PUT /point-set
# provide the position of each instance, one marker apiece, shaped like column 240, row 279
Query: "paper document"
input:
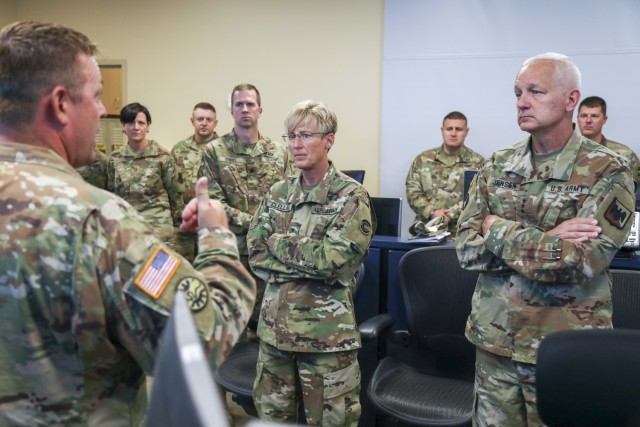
column 434, row 240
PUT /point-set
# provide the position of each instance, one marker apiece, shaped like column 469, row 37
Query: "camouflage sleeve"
column 219, row 291
column 173, row 188
column 419, row 197
column 538, row 256
column 470, row 245
column 110, row 176
column 334, row 257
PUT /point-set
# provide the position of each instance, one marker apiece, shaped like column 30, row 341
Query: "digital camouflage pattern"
column 628, row 155
column 145, row 179
column 502, row 387
column 436, row 181
column 307, row 246
column 330, row 385
column 532, row 284
column 79, row 331
column 187, row 155
column 96, row 173
column 240, row 177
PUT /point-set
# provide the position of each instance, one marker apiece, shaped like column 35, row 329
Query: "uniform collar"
column 318, row 195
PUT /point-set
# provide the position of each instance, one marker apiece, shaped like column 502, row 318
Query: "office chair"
column 428, row 380
column 237, row 373
column 626, row 298
column 357, row 174
column 589, row 378
column 183, row 391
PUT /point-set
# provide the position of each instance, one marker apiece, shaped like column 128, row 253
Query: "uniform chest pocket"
column 562, row 205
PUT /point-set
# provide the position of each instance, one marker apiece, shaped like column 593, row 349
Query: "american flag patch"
column 156, row 274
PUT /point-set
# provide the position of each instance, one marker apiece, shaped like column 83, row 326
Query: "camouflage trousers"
column 505, row 392
column 328, row 384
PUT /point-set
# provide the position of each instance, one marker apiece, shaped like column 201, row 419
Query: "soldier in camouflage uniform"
column 86, row 286
column 187, row 155
column 306, row 242
column 241, row 167
column 435, row 181
column 543, row 220
column 142, row 172
column 592, row 115
column 96, row 173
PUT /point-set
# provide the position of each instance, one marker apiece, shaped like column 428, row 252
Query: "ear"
column 328, row 141
column 60, row 105
column 572, row 99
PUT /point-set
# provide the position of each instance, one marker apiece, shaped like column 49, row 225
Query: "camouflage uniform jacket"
column 240, row 177
column 96, row 173
column 187, row 155
column 436, row 181
column 146, row 180
column 307, row 246
column 627, row 153
column 532, row 284
column 80, row 320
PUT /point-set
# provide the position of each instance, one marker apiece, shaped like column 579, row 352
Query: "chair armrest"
column 372, row 329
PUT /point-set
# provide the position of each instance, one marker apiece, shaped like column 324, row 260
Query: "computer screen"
column 468, row 177
column 358, row 175
column 388, row 214
column 183, row 392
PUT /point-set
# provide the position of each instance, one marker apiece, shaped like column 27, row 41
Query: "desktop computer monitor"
column 183, row 392
column 468, row 177
column 388, row 212
column 358, row 175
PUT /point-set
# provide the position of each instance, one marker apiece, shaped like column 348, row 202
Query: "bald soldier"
column 435, row 181
column 544, row 218
column 306, row 241
column 87, row 287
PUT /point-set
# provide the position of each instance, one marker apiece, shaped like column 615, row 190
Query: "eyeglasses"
column 304, row 136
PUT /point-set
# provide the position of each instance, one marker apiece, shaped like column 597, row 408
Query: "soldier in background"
column 543, row 220
column 86, row 286
column 96, row 173
column 306, row 242
column 241, row 166
column 187, row 155
column 143, row 173
column 592, row 116
column 435, row 181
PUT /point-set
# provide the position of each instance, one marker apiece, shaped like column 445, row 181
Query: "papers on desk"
column 430, row 240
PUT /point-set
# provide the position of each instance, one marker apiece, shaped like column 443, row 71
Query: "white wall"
column 444, row 55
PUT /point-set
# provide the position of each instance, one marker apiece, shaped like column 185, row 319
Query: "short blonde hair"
column 313, row 113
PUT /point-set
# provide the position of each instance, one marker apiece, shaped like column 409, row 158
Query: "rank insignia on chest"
column 617, row 214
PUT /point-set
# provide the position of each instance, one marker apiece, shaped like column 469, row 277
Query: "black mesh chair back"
column 626, row 298
column 430, row 381
column 589, row 378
